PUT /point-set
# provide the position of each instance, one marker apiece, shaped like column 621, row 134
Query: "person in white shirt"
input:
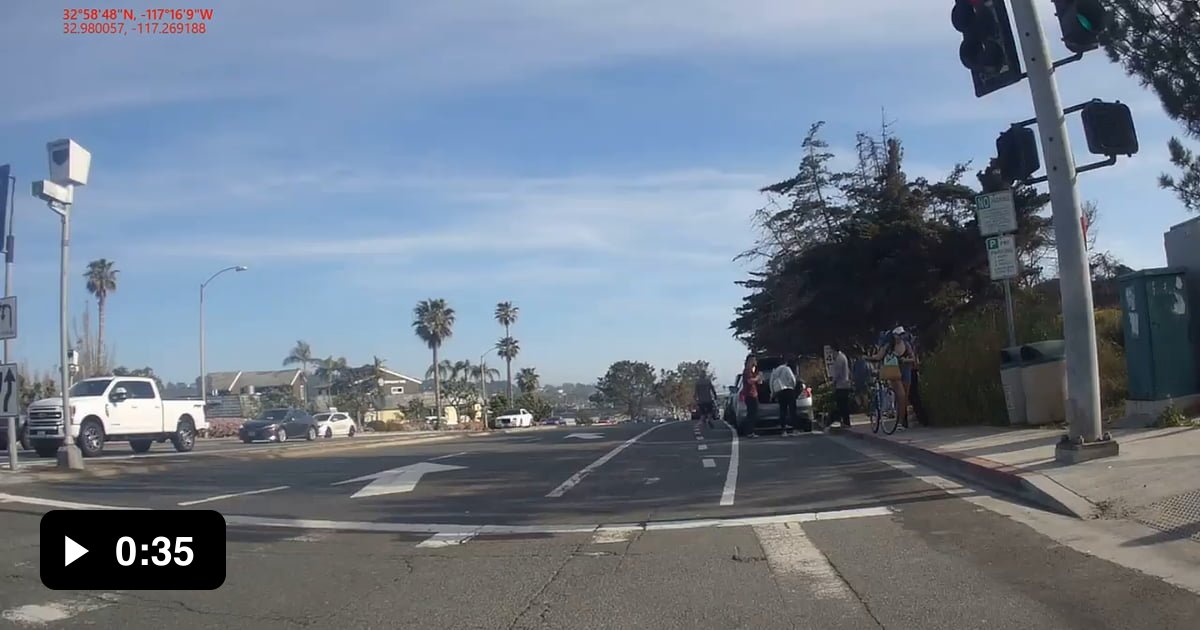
column 783, row 390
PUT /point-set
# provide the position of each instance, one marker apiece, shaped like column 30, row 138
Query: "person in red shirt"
column 749, row 394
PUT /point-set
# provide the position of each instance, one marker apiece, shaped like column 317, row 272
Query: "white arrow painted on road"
column 585, row 436
column 72, row 551
column 402, row 479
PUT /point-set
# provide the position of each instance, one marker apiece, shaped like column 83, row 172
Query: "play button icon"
column 72, row 551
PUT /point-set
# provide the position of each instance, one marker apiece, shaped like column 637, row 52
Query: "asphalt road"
column 122, row 451
column 630, row 526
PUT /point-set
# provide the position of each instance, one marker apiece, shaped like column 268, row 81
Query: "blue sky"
column 594, row 161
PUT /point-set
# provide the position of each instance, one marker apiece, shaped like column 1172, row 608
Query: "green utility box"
column 1160, row 352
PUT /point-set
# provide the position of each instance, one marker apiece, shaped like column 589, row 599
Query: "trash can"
column 1044, row 381
column 1010, row 379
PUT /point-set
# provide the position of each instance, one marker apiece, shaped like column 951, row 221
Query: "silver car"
column 768, row 409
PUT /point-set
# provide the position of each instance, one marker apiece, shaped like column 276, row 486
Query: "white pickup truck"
column 112, row 408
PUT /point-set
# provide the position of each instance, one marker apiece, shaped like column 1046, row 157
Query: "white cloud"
column 309, row 53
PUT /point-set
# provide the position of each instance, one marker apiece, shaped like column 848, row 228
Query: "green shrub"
column 960, row 379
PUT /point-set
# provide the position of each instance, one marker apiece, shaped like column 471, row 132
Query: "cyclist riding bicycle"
column 706, row 399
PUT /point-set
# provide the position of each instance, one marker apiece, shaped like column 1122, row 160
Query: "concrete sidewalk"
column 1155, row 480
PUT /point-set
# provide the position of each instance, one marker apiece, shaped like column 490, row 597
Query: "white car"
column 514, row 418
column 335, row 424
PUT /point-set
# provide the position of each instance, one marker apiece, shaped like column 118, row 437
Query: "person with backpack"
column 894, row 354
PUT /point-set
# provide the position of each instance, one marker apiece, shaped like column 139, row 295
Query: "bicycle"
column 883, row 406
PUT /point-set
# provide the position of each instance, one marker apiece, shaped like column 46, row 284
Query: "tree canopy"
column 846, row 253
column 1158, row 42
column 627, row 385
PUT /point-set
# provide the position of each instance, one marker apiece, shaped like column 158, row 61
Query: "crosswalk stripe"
column 790, row 552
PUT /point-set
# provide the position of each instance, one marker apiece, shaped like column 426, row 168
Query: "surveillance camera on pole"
column 70, row 165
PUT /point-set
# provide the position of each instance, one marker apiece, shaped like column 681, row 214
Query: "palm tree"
column 301, row 354
column 433, row 321
column 506, row 314
column 443, row 368
column 528, row 380
column 490, row 374
column 508, row 349
column 330, row 370
column 101, row 280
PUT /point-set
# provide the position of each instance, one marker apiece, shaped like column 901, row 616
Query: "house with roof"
column 394, row 388
column 259, row 382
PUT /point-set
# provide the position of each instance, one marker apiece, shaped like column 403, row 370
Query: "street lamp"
column 69, row 166
column 483, row 386
column 203, row 384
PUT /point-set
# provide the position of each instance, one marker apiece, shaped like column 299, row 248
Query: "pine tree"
column 1158, row 41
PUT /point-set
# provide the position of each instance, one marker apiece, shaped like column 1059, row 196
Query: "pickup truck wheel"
column 140, row 446
column 46, row 449
column 91, row 438
column 184, row 439
column 312, row 434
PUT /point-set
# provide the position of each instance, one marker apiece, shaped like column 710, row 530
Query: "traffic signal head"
column 988, row 49
column 1109, row 129
column 1017, row 154
column 1082, row 22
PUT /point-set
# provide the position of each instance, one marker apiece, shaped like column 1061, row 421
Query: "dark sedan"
column 279, row 425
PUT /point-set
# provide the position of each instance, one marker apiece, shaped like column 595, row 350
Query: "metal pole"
column 1079, row 326
column 8, row 269
column 482, row 393
column 69, row 457
column 203, row 382
column 1008, row 312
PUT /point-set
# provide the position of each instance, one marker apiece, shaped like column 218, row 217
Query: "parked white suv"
column 116, row 408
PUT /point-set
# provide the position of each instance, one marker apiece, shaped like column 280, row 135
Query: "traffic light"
column 1082, row 22
column 1017, row 154
column 1109, row 129
column 988, row 49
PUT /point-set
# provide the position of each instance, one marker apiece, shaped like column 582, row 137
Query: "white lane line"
column 445, row 540
column 42, row 614
column 66, row 505
column 310, row 537
column 434, row 459
column 790, row 552
column 708, row 463
column 480, row 530
column 614, row 535
column 574, row 480
column 727, row 494
column 700, row 437
column 701, row 447
column 230, row 496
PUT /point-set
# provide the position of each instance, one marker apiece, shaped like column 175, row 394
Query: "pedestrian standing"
column 783, row 390
column 843, row 386
column 749, row 395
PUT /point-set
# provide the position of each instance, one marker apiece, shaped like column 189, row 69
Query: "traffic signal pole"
column 1085, row 438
